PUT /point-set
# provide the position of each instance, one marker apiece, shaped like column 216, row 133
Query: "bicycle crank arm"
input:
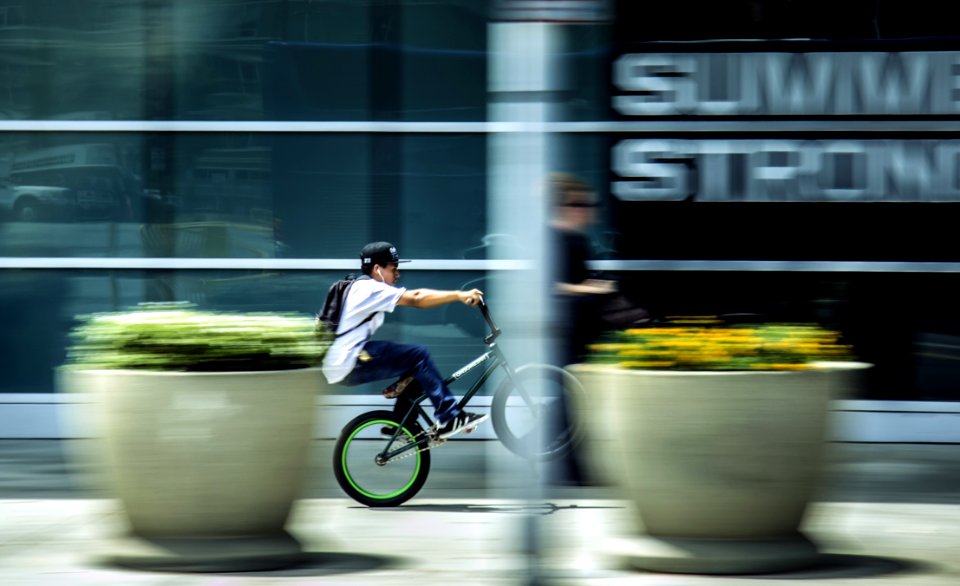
column 409, row 450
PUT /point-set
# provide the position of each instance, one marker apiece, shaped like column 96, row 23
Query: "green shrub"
column 179, row 337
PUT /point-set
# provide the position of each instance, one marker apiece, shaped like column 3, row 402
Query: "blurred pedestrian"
column 585, row 304
column 578, row 295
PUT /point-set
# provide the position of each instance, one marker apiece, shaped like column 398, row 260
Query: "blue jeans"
column 390, row 360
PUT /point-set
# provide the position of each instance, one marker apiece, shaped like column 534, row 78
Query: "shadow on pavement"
column 330, row 564
column 531, row 508
column 841, row 566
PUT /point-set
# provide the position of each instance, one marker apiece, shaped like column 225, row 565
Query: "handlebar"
column 494, row 330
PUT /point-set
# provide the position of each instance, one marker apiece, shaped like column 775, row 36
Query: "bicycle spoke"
column 531, row 412
column 373, row 479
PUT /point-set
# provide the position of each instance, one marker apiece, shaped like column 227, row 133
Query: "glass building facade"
column 79, row 192
column 238, row 153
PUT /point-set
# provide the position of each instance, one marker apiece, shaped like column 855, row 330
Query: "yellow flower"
column 645, row 364
column 704, row 343
column 779, row 366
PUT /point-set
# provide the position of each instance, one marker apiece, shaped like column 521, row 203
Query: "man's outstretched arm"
column 587, row 287
column 426, row 298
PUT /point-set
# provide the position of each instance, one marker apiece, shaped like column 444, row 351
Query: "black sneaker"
column 463, row 422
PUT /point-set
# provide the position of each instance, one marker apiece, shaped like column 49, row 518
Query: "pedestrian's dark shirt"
column 571, row 251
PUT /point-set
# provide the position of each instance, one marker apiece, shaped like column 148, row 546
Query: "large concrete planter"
column 719, row 466
column 206, row 466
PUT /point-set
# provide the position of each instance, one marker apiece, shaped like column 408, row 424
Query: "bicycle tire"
column 520, row 425
column 361, row 478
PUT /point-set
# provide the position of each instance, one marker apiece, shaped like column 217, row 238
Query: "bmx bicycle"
column 382, row 459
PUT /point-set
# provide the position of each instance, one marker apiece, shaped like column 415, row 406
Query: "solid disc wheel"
column 367, row 473
column 532, row 413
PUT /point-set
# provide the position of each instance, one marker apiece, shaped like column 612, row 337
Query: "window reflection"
column 73, row 182
column 239, row 195
column 231, row 181
column 243, row 60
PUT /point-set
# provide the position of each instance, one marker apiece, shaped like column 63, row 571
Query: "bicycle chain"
column 434, row 443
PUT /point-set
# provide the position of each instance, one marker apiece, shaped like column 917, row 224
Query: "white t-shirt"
column 364, row 297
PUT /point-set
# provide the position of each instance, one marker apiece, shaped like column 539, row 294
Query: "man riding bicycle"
column 354, row 358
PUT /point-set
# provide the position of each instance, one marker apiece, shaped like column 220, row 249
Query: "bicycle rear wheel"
column 385, row 483
column 532, row 413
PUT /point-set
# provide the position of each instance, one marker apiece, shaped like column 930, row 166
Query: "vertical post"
column 525, row 81
column 521, row 81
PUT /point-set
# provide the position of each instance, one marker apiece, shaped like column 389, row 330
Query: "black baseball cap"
column 379, row 253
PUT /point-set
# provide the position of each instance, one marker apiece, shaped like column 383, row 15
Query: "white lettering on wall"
column 787, row 170
column 821, row 83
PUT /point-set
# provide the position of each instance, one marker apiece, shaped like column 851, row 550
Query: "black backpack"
column 329, row 316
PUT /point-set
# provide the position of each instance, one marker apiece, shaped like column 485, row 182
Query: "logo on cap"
column 381, row 253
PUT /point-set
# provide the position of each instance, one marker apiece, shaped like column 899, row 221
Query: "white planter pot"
column 720, row 466
column 206, row 466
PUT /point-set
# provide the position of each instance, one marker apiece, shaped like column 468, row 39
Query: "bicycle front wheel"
column 532, row 412
column 373, row 468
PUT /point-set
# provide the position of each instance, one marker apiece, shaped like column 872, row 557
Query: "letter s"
column 659, row 163
column 663, row 82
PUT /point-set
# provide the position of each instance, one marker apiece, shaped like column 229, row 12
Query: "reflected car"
column 31, row 203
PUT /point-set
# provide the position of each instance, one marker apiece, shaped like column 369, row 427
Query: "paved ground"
column 908, row 473
column 888, row 514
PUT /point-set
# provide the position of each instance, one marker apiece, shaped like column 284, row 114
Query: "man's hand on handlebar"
column 471, row 297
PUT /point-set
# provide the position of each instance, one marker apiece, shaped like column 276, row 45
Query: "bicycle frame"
column 494, row 355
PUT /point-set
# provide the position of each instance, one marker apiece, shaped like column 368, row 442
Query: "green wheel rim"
column 346, row 469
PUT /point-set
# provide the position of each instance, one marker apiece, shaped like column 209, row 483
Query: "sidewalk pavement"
column 54, row 542
column 871, row 535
